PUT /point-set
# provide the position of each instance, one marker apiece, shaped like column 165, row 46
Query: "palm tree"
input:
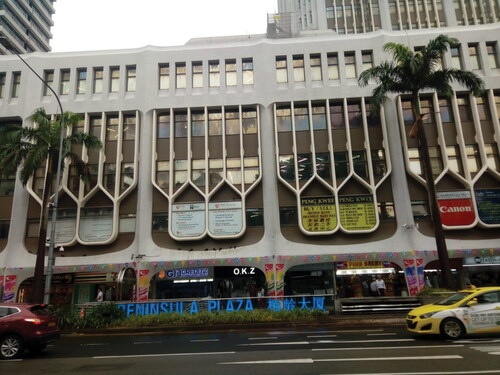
column 26, row 150
column 411, row 72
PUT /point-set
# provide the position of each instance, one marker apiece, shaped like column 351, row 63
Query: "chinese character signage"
column 357, row 212
column 362, row 264
column 488, row 205
column 456, row 208
column 318, row 214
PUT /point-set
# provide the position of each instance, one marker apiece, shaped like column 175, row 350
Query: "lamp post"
column 50, row 262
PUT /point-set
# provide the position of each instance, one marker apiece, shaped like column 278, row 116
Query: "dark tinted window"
column 40, row 310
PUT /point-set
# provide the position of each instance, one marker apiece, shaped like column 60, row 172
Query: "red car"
column 25, row 326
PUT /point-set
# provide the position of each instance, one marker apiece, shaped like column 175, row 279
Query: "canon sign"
column 456, row 208
column 444, row 209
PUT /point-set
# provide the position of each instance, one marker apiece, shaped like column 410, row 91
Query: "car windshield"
column 451, row 300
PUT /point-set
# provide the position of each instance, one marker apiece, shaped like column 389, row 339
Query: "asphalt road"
column 305, row 351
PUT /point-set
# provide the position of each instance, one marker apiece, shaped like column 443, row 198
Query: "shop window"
column 48, row 77
column 315, row 61
column 180, row 75
column 333, row 66
column 298, row 68
column 288, row 216
column 287, row 167
column 180, row 172
column 214, row 73
column 283, row 119
column 162, row 174
column 164, row 76
column 112, row 123
column 197, row 124
column 386, row 211
column 281, row 69
column 127, row 223
column 4, row 228
column 446, row 110
column 492, row 158
column 198, row 172
column 255, row 217
column 249, row 120
column 301, row 116
column 337, row 115
column 319, row 117
column 180, row 124
column 160, row 222
column 231, row 76
column 163, row 125
column 232, row 123
column 197, row 74
column 247, row 71
column 129, row 123
column 215, row 122
column 420, row 210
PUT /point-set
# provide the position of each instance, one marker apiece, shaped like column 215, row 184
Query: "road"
column 305, row 351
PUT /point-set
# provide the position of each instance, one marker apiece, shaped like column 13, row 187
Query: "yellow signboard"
column 318, row 214
column 357, row 212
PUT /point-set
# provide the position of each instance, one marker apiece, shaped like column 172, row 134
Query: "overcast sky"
column 81, row 25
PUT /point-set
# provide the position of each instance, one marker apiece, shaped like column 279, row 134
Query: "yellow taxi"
column 474, row 310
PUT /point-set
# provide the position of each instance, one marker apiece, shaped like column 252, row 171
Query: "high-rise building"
column 231, row 164
column 26, row 24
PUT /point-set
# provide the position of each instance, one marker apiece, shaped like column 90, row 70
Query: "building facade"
column 237, row 166
column 26, row 25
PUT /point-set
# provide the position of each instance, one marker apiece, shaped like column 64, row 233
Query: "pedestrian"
column 380, row 285
column 100, row 295
column 373, row 287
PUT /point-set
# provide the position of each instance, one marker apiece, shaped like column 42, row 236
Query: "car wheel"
column 11, row 347
column 452, row 328
column 37, row 348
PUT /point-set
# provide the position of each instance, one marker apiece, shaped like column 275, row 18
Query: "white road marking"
column 206, row 340
column 475, row 372
column 360, row 341
column 275, row 361
column 263, row 338
column 389, row 348
column 146, row 342
column 96, row 344
column 492, row 350
column 160, row 355
column 277, row 343
column 381, row 334
column 477, row 341
column 321, row 336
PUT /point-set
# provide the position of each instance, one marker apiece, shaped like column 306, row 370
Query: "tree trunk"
column 38, row 282
column 444, row 261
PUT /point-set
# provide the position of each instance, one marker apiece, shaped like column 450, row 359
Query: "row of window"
column 351, row 17
column 476, row 62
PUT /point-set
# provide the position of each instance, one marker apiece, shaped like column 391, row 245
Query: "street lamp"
column 50, row 262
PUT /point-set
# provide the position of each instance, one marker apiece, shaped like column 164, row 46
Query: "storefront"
column 482, row 270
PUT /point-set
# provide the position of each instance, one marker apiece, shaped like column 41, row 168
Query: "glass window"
column 162, row 174
column 416, row 164
column 129, row 124
column 215, row 122
column 197, row 72
column 281, row 69
column 483, row 108
column 2, row 84
column 283, row 119
column 474, row 56
column 491, row 48
column 456, row 57
column 473, row 159
column 298, row 68
column 197, row 124
column 214, row 73
column 180, row 75
column 127, row 176
column 255, row 217
column 81, row 84
column 454, row 162
column 231, row 77
column 354, row 114
column 341, row 164
column 464, row 109
column 315, row 61
column 333, row 66
column 131, row 78
column 249, row 121
column 247, row 71
column 386, row 211
column 180, row 124
column 408, row 114
column 288, row 216
column 350, row 65
column 98, row 79
column 16, row 84
column 492, row 158
column 378, row 163
column 319, row 117
column 48, row 76
column 163, row 125
column 372, row 117
column 232, row 121
column 160, row 222
column 127, row 223
column 251, row 169
column 301, row 115
column 92, row 218
column 112, row 123
column 64, row 84
column 109, row 177
column 446, row 110
column 114, row 79
column 367, row 59
column 359, row 163
column 323, row 165
column 304, row 166
column 233, row 170
column 164, row 76
column 198, row 172
column 337, row 115
column 95, row 126
column 180, row 172
column 216, row 171
column 4, row 228
column 427, row 110
column 287, row 167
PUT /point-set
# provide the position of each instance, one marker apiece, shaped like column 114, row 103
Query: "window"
column 233, row 170
column 198, row 175
column 473, row 159
column 464, row 109
column 48, row 77
column 180, row 124
column 250, row 169
column 127, row 223
column 289, row 216
column 304, row 166
column 162, row 174
column 420, row 210
column 180, row 75
column 315, row 61
column 101, row 217
column 333, row 66
column 131, row 78
column 337, row 115
column 231, row 77
column 94, row 169
column 98, row 78
column 341, row 164
column 109, row 177
column 427, row 110
column 287, row 167
column 372, row 117
column 7, row 185
column 81, row 83
column 319, row 117
column 255, row 217
column 454, row 161
column 4, row 228
column 354, row 114
column 127, row 176
column 323, row 165
column 216, row 171
column 281, row 69
column 164, row 76
column 359, row 163
column 416, row 164
column 112, row 123
column 249, row 121
column 298, row 68
column 367, row 59
column 214, row 122
column 301, row 115
column 408, row 114
column 483, row 108
column 491, row 48
column 160, row 222
column 64, row 84
column 350, row 65
column 16, row 84
column 386, row 211
column 247, row 71
column 232, row 121
column 474, row 56
column 378, row 163
column 197, row 72
column 114, row 79
column 214, row 73
column 180, row 171
column 95, row 126
column 2, row 84
column 163, row 125
column 492, row 158
column 197, row 124
column 456, row 57
column 446, row 110
column 129, row 124
column 283, row 119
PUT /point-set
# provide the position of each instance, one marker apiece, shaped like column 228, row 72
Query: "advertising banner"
column 318, row 214
column 411, row 276
column 9, row 290
column 456, row 208
column 421, row 274
column 188, row 219
column 143, row 285
column 225, row 218
column 362, row 264
column 357, row 212
column 95, row 228
column 488, row 205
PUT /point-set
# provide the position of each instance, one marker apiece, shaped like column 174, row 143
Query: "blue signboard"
column 488, row 205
